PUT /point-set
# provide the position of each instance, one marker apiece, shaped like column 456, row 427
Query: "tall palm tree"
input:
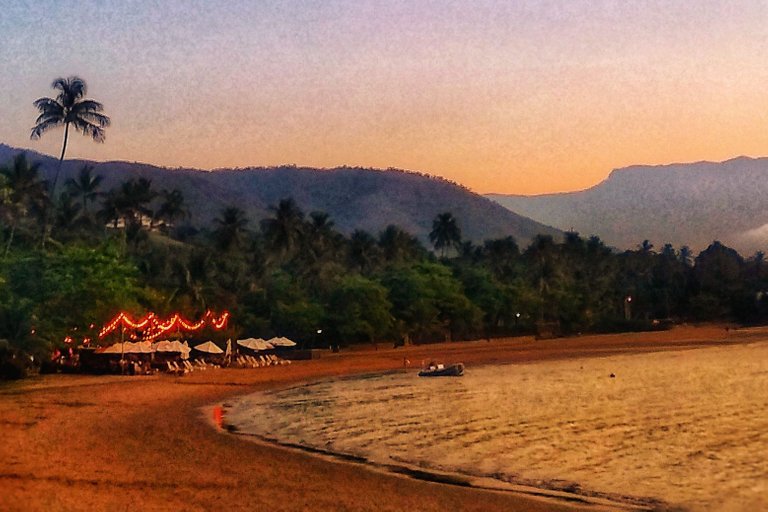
column 85, row 186
column 69, row 108
column 445, row 232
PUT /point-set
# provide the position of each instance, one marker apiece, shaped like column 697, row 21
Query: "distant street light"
column 627, row 307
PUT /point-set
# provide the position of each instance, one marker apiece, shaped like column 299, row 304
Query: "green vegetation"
column 293, row 274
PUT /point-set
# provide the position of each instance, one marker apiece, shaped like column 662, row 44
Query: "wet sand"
column 121, row 443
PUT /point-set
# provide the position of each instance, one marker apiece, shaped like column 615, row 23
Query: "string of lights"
column 154, row 327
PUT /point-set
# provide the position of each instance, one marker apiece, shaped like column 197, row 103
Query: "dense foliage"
column 132, row 248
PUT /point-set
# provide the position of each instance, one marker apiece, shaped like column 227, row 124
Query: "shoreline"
column 103, row 443
column 488, row 483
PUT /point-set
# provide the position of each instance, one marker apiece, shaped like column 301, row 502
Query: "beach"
column 73, row 442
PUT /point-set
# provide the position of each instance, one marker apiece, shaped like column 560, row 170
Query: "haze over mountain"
column 355, row 198
column 682, row 204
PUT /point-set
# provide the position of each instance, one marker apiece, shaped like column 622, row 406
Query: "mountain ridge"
column 683, row 204
column 354, row 197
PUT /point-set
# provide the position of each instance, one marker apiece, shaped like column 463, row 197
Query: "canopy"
column 172, row 346
column 255, row 344
column 282, row 342
column 209, row 347
column 112, row 349
column 128, row 347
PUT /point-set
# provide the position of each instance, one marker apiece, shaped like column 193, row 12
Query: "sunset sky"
column 501, row 96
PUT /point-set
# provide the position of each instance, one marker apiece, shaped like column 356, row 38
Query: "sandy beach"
column 122, row 443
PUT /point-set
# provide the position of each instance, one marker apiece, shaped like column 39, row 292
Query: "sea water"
column 688, row 428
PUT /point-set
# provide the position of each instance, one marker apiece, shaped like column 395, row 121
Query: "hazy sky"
column 501, row 96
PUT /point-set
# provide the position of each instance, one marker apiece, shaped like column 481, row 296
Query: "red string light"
column 154, row 327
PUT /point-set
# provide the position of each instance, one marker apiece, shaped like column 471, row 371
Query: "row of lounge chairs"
column 242, row 361
column 245, row 361
column 187, row 366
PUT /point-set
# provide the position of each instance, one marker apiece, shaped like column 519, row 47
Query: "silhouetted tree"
column 445, row 233
column 230, row 230
column 26, row 195
column 69, row 108
column 85, row 186
column 283, row 232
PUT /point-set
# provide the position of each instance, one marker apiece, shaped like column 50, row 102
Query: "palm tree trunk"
column 61, row 161
column 10, row 239
column 46, row 224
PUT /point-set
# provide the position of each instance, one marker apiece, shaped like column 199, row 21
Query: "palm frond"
column 42, row 127
column 88, row 106
column 48, row 105
column 88, row 128
column 94, row 117
column 72, row 89
column 47, row 117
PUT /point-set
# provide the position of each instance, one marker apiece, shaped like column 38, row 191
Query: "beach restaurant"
column 140, row 344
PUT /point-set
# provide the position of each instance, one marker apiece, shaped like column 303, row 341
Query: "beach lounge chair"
column 174, row 368
column 179, row 370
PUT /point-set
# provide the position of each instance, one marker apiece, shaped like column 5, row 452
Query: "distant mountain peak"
column 680, row 203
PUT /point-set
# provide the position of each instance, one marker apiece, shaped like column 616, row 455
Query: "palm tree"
column 284, row 231
column 544, row 266
column 321, row 241
column 445, row 232
column 25, row 192
column 109, row 212
column 69, row 108
column 501, row 256
column 68, row 213
column 231, row 228
column 363, row 252
column 134, row 198
column 85, row 186
column 173, row 206
column 399, row 245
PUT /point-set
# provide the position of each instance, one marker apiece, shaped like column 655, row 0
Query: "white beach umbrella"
column 142, row 347
column 254, row 344
column 209, row 347
column 112, row 349
column 245, row 342
column 282, row 342
column 163, row 346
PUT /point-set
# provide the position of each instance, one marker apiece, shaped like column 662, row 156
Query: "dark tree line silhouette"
column 293, row 274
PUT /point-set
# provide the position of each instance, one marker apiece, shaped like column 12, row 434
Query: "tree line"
column 132, row 248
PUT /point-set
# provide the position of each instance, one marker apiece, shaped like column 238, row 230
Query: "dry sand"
column 124, row 443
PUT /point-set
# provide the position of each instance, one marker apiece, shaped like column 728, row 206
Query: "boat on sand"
column 441, row 370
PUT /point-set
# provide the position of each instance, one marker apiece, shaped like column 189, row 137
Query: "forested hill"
column 682, row 204
column 355, row 198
